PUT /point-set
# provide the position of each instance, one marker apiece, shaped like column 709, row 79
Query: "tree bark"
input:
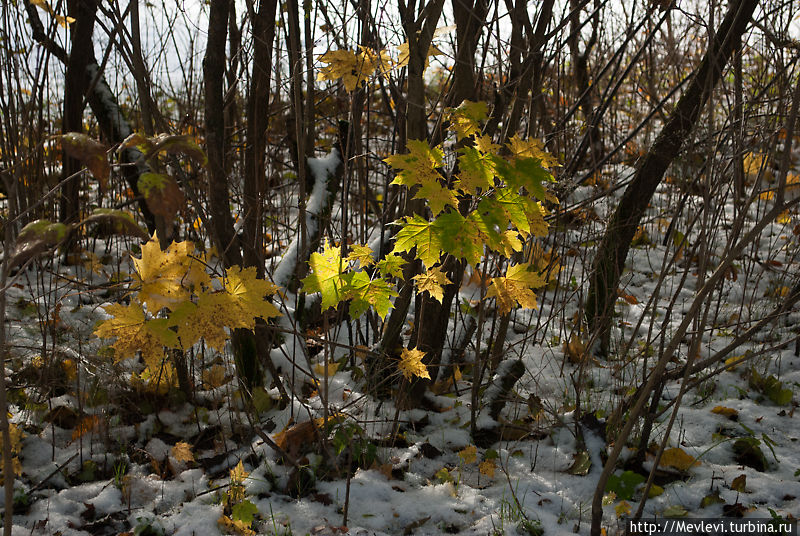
column 419, row 33
column 75, row 84
column 610, row 258
column 255, row 182
column 213, row 78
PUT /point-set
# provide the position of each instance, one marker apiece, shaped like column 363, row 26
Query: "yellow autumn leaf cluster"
column 177, row 305
column 354, row 68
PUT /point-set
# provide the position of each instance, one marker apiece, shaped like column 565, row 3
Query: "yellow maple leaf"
column 487, row 467
column 214, row 377
column 206, row 319
column 515, row 288
column 134, row 334
column 167, row 277
column 532, row 148
column 238, row 474
column 419, row 167
column 466, row 119
column 623, row 509
column 411, row 364
column 485, row 144
column 247, row 296
column 234, row 526
column 432, row 281
column 676, row 457
column 403, row 55
column 362, row 255
column 182, row 452
column 469, row 454
column 753, row 163
column 354, row 68
column 536, row 214
column 730, row 413
column 333, row 366
column 61, row 19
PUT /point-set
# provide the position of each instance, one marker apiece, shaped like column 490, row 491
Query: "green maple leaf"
column 458, row 237
column 327, row 276
column 244, row 512
column 421, row 234
column 509, row 206
column 391, row 265
column 365, row 292
column 437, row 196
column 476, row 170
column 419, row 167
column 525, row 173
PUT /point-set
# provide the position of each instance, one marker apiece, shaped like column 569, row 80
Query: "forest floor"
column 101, row 457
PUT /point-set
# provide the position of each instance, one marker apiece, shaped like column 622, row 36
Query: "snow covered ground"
column 100, row 459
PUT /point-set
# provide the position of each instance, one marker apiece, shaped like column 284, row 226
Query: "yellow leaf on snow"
column 726, row 412
column 432, row 281
column 487, row 467
column 333, row 366
column 182, row 452
column 623, row 509
column 234, row 526
column 677, row 458
column 411, row 364
column 469, row 454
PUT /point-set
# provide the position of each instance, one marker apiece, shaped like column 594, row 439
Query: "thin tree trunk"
column 243, row 341
column 419, row 34
column 75, row 83
column 213, row 78
column 255, row 182
column 613, row 251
